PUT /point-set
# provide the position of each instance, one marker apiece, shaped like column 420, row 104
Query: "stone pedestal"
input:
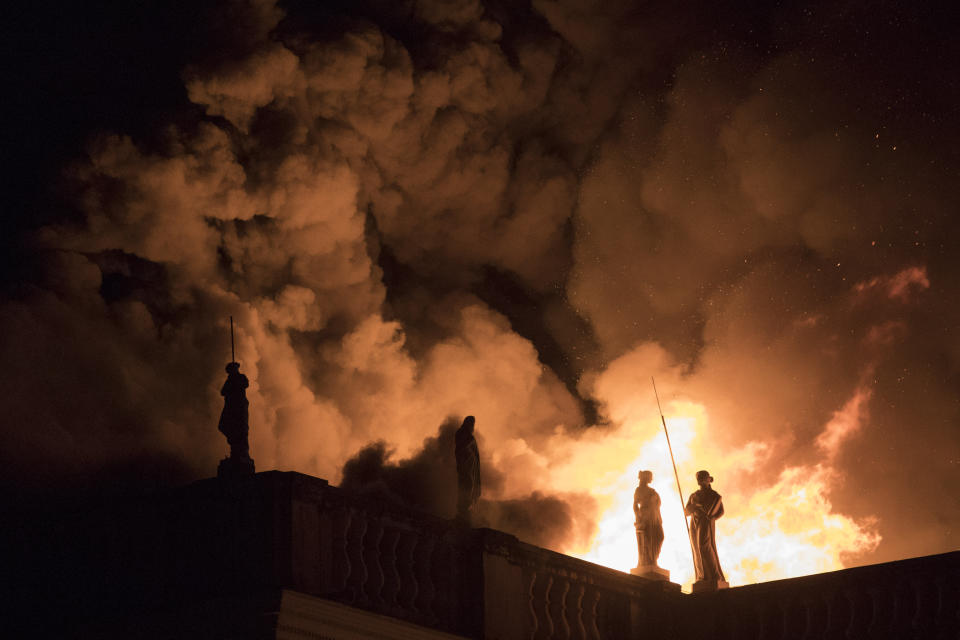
column 709, row 585
column 235, row 467
column 651, row 572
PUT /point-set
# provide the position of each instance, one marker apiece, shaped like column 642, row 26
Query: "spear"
column 675, row 474
column 233, row 358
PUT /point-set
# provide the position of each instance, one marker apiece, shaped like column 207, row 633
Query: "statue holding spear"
column 705, row 506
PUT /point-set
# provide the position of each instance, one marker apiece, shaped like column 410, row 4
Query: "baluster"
column 593, row 629
column 723, row 622
column 771, row 625
column 409, row 586
column 564, row 632
column 341, row 559
column 373, row 562
column 904, row 609
column 947, row 617
column 454, row 605
column 882, row 599
column 861, row 613
column 816, row 616
column 795, row 618
column 391, row 573
column 358, row 574
column 550, row 627
column 531, row 605
column 747, row 626
column 442, row 566
column 580, row 630
column 424, row 562
column 839, row 614
column 926, row 607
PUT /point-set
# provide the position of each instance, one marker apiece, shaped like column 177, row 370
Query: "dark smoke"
column 425, row 481
column 428, row 481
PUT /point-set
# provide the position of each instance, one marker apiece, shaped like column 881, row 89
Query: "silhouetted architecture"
column 234, row 423
column 285, row 555
column 704, row 507
column 468, row 469
column 649, row 526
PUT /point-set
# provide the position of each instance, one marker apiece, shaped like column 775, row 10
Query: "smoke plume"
column 428, row 481
column 521, row 211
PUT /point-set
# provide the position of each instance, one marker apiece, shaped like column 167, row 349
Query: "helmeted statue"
column 649, row 525
column 234, row 423
column 704, row 507
column 468, row 468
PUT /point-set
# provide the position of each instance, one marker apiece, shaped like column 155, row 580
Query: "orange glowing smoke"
column 782, row 530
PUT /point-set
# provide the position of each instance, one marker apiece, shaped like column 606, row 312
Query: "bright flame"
column 771, row 532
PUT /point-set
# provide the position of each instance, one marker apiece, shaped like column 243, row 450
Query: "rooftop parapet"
column 215, row 558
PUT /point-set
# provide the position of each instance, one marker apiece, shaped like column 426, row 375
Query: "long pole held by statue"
column 675, row 474
column 233, row 358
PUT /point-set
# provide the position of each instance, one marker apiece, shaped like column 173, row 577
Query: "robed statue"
column 704, row 507
column 234, row 423
column 649, row 525
column 468, row 468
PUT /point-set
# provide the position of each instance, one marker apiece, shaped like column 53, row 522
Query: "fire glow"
column 783, row 530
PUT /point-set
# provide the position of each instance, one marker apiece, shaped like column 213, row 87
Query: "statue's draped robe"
column 468, row 470
column 234, row 417
column 704, row 507
column 649, row 526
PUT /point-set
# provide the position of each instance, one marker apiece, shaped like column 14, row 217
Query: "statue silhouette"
column 468, row 468
column 234, row 423
column 649, row 525
column 705, row 506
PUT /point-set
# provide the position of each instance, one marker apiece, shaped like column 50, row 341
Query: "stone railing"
column 383, row 558
column 220, row 554
column 917, row 598
column 534, row 593
column 473, row 582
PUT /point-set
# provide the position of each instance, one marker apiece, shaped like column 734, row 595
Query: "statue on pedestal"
column 649, row 526
column 704, row 507
column 234, row 423
column 468, row 468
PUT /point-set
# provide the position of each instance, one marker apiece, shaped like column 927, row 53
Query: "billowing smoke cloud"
column 520, row 211
column 428, row 481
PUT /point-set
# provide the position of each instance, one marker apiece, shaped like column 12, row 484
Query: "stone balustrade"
column 222, row 554
column 535, row 593
column 917, row 598
column 473, row 582
column 384, row 558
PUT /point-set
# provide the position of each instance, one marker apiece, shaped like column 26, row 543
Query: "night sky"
column 516, row 210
